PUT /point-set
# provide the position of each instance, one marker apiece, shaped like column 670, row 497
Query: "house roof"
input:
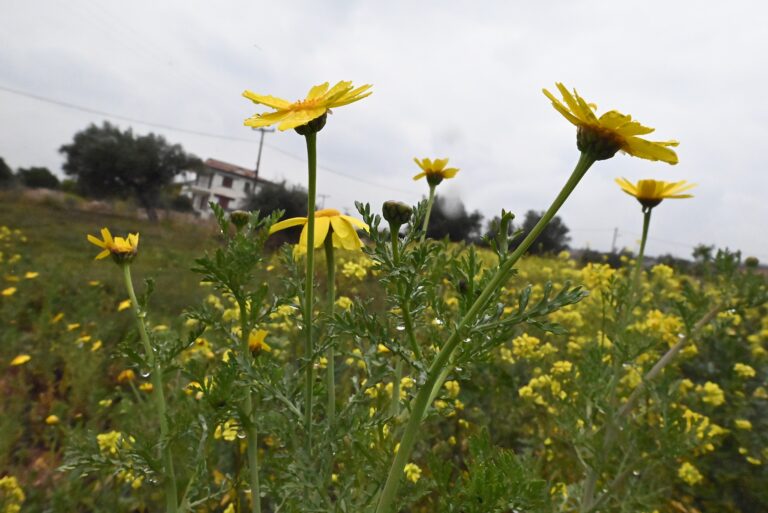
column 226, row 167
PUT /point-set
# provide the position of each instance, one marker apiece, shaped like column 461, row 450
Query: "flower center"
column 304, row 104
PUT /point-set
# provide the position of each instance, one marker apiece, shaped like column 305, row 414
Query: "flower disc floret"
column 329, row 222
column 435, row 171
column 317, row 104
column 651, row 192
column 122, row 249
column 613, row 131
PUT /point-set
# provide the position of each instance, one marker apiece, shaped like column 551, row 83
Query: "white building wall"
column 213, row 185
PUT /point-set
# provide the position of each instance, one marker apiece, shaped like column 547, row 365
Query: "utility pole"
column 258, row 158
column 615, row 236
column 322, row 197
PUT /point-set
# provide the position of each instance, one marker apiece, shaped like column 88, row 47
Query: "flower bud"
column 396, row 213
column 239, row 218
column 313, row 126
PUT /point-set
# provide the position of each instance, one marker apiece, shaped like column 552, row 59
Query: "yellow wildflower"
column 58, row 317
column 602, row 137
column 121, row 249
column 318, row 102
column 111, row 442
column 20, row 360
column 562, row 367
column 126, row 376
column 344, row 303
column 712, row 393
column 124, row 305
column 73, row 326
column 11, row 494
column 435, row 171
column 146, row 387
column 744, row 370
column 256, row 341
column 743, row 424
column 328, row 221
column 453, row 388
column 412, row 472
column 31, row 275
column 9, row 291
column 690, row 474
column 227, row 431
column 651, row 192
column 52, row 420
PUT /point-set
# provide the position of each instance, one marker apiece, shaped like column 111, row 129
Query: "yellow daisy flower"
column 122, row 249
column 651, row 192
column 329, row 221
column 256, row 341
column 435, row 171
column 318, row 102
column 613, row 131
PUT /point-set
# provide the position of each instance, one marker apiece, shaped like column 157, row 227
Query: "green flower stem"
column 421, row 402
column 330, row 263
column 252, row 435
column 430, row 202
column 171, row 497
column 395, row 407
column 309, row 284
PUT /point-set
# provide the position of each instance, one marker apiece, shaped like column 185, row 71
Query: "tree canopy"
column 38, row 178
column 450, row 219
column 109, row 162
column 6, row 174
column 553, row 239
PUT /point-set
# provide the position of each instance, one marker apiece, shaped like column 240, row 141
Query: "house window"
column 226, row 181
column 247, row 187
column 223, row 202
column 210, row 181
column 202, row 179
column 203, row 201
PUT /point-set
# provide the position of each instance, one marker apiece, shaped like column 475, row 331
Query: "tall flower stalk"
column 421, row 402
column 330, row 265
column 307, row 117
column 158, row 395
column 252, row 435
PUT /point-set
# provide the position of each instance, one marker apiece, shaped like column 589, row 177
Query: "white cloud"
column 451, row 78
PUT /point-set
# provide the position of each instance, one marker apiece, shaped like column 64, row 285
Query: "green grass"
column 57, row 248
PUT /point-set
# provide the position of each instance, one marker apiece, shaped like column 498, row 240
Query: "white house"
column 220, row 182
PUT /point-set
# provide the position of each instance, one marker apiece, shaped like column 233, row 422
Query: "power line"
column 199, row 133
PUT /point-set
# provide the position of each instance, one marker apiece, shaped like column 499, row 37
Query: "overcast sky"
column 450, row 79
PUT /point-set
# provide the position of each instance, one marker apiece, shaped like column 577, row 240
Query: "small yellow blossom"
column 743, row 424
column 31, row 275
column 453, row 388
column 318, row 102
column 11, row 494
column 690, row 474
column 412, row 472
column 122, row 249
column 344, row 303
column 381, row 349
column 712, row 393
column 96, row 346
column 73, row 326
column 227, row 431
column 562, row 367
column 111, row 442
column 124, row 305
column 9, row 291
column 126, row 376
column 435, row 171
column 146, row 387
column 256, row 341
column 20, row 360
column 652, row 192
column 52, row 420
column 58, row 317
column 744, row 370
